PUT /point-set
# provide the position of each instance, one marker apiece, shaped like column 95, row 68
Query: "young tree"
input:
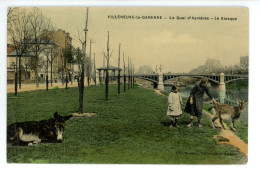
column 40, row 27
column 107, row 73
column 128, row 75
column 94, row 72
column 19, row 31
column 81, row 75
column 68, row 55
column 47, row 53
column 118, row 80
column 124, row 72
column 89, row 64
column 131, row 73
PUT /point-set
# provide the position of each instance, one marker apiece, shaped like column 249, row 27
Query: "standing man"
column 194, row 105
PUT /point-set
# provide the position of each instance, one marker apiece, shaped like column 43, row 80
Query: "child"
column 174, row 106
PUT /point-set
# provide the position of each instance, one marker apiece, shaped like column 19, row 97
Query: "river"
column 230, row 96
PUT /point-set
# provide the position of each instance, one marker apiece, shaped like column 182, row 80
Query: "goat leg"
column 213, row 122
column 233, row 124
column 221, row 122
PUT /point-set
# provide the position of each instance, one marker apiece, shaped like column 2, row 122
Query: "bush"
column 56, row 88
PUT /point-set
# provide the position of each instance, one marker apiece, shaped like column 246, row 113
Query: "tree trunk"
column 107, row 82
column 36, row 78
column 20, row 73
column 15, row 84
column 129, row 81
column 133, row 81
column 62, row 76
column 47, row 83
column 47, row 79
column 81, row 90
column 66, row 80
column 51, row 74
column 118, row 81
column 124, row 82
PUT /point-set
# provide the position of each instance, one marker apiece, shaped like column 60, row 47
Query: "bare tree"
column 40, row 27
column 145, row 69
column 89, row 64
column 131, row 73
column 94, row 72
column 128, row 75
column 118, row 82
column 54, row 55
column 19, row 31
column 107, row 56
column 47, row 53
column 82, row 69
column 12, row 14
column 124, row 72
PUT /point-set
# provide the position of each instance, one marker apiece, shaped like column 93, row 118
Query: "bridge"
column 160, row 78
column 213, row 78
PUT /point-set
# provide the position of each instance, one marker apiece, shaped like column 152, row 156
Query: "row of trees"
column 215, row 66
column 79, row 56
column 26, row 32
column 30, row 33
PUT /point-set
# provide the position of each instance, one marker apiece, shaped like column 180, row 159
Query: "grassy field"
column 130, row 128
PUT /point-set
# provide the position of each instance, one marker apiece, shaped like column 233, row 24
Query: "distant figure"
column 194, row 105
column 174, row 106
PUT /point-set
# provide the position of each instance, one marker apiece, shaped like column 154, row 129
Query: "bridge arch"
column 200, row 77
column 150, row 78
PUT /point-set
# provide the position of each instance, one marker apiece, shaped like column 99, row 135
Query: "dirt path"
column 226, row 136
column 31, row 87
column 229, row 137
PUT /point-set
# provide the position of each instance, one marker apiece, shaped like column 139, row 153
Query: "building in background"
column 52, row 60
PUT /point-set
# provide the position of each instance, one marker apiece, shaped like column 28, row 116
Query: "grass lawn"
column 130, row 128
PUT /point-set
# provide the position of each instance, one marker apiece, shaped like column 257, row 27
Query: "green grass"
column 242, row 130
column 130, row 128
column 237, row 85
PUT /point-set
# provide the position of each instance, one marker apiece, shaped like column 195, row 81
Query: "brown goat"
column 225, row 111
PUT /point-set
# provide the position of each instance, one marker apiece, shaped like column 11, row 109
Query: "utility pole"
column 118, row 80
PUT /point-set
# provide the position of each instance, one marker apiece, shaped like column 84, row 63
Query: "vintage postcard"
column 127, row 85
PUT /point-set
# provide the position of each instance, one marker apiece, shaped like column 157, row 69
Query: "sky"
column 177, row 45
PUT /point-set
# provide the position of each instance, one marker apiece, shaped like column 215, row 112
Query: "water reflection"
column 230, row 96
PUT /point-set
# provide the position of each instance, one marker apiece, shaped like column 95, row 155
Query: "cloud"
column 166, row 37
